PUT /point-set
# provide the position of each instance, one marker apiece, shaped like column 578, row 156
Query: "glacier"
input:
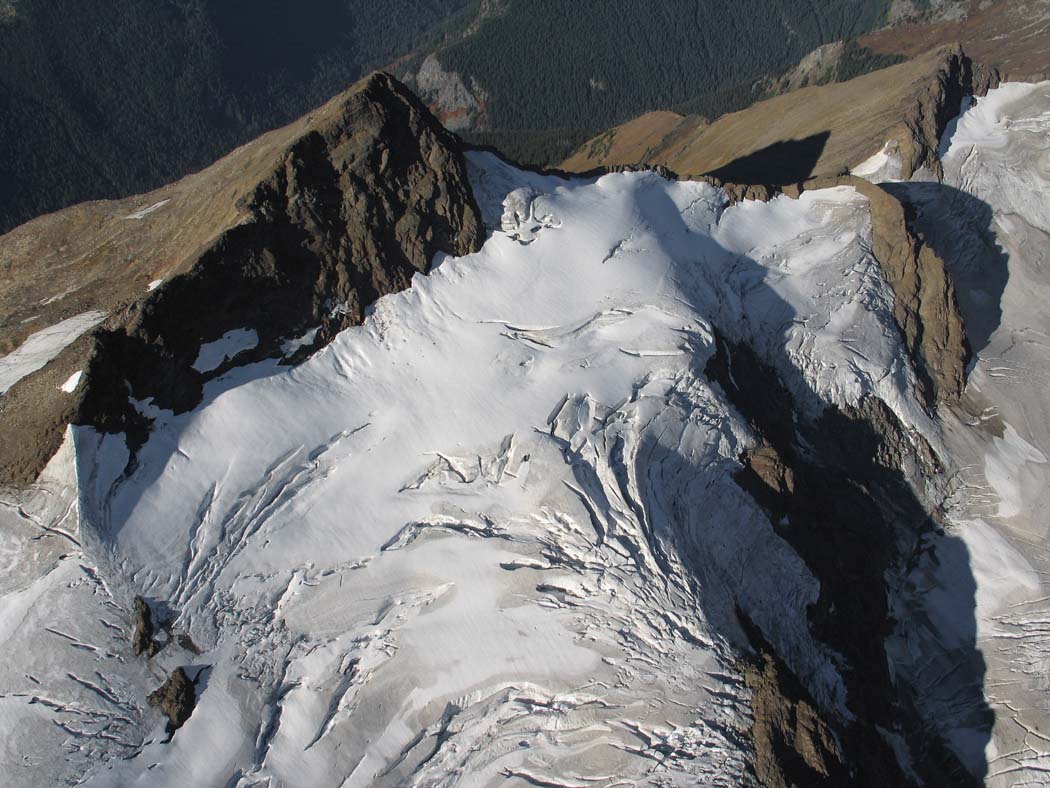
column 493, row 534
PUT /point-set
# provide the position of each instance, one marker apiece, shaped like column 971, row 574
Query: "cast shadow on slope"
column 788, row 161
column 835, row 489
column 853, row 520
column 958, row 227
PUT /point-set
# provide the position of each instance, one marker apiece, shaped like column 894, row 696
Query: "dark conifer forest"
column 557, row 73
column 112, row 97
column 108, row 98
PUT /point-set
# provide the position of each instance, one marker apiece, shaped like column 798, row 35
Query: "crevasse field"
column 493, row 534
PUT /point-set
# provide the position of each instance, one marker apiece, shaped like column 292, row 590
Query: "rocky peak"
column 292, row 235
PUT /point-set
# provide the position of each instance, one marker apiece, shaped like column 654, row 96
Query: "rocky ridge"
column 827, row 129
column 292, row 236
column 925, row 305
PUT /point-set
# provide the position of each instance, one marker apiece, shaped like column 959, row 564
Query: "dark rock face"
column 176, row 698
column 142, row 641
column 355, row 208
column 794, row 745
column 369, row 189
column 841, row 491
column 936, row 104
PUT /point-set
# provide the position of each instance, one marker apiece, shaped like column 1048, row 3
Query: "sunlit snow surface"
column 490, row 536
column 492, row 533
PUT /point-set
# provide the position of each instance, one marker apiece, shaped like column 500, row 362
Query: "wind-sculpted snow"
column 492, row 534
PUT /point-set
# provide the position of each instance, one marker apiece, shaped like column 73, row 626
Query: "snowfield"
column 492, row 536
column 995, row 208
column 42, row 346
column 454, row 543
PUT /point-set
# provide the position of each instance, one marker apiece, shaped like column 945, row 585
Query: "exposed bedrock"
column 936, row 103
column 925, row 306
column 350, row 209
column 142, row 640
column 855, row 493
column 176, row 698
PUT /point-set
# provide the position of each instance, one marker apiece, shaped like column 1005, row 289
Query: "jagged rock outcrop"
column 937, row 102
column 925, row 307
column 300, row 230
column 176, row 698
column 794, row 745
column 142, row 641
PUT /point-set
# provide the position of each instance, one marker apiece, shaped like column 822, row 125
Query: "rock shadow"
column 959, row 228
column 788, row 161
column 840, row 489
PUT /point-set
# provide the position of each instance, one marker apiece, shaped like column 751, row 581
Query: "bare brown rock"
column 643, row 140
column 925, row 307
column 176, row 698
column 794, row 746
column 830, row 128
column 142, row 641
column 304, row 227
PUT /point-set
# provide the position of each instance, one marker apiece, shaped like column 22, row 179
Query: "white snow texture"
column 491, row 536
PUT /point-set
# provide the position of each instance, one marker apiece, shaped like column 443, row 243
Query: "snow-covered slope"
column 42, row 346
column 452, row 543
column 990, row 221
column 494, row 535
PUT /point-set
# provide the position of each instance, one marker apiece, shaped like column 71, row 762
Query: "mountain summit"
column 292, row 236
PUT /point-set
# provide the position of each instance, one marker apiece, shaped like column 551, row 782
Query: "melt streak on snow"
column 44, row 345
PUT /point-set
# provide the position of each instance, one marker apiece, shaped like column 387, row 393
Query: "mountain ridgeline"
column 294, row 235
column 759, row 544
column 549, row 74
column 116, row 97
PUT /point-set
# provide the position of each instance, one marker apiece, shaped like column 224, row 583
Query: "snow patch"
column 72, row 382
column 987, row 121
column 44, row 345
column 1003, row 466
column 884, row 166
column 291, row 346
column 229, row 345
column 144, row 212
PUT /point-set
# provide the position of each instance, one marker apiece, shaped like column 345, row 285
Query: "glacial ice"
column 491, row 535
